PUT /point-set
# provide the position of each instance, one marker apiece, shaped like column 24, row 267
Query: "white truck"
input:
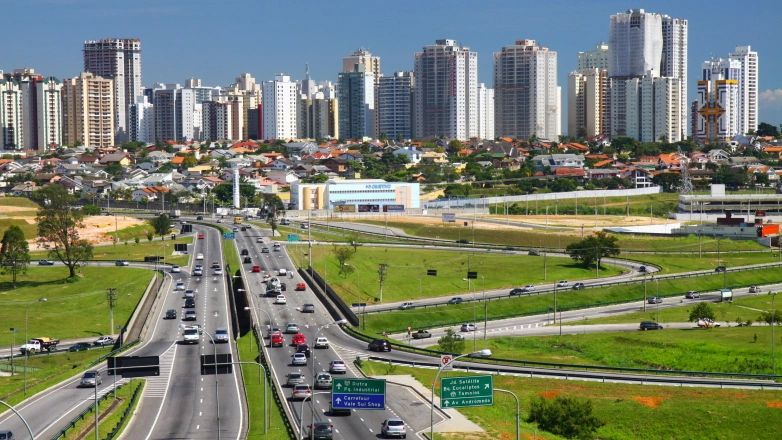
column 175, row 213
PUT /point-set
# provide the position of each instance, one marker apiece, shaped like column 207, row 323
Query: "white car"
column 528, row 288
column 198, row 272
column 337, row 367
column 299, row 359
column 281, row 300
column 175, row 269
column 562, row 283
column 190, row 335
column 179, row 286
column 468, row 327
column 266, row 277
column 221, row 335
column 218, row 271
column 189, row 293
column 259, row 240
column 282, row 272
column 321, row 342
column 199, row 256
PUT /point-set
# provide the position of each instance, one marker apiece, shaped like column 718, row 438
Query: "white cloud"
column 771, row 96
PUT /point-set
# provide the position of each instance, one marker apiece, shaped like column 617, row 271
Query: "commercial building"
column 356, row 101
column 88, row 111
column 718, row 101
column 360, row 196
column 118, row 59
column 280, row 104
column 395, row 105
column 748, row 88
column 446, row 91
column 526, row 94
column 485, row 112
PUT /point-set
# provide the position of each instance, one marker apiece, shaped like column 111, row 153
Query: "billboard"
column 133, row 366
column 368, row 208
column 345, row 208
column 451, row 218
column 393, row 208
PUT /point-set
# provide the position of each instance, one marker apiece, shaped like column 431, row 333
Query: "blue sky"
column 217, row 40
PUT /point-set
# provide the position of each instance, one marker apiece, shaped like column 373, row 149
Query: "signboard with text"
column 450, row 218
column 228, row 235
column 358, row 394
column 458, row 392
column 293, row 237
column 344, row 208
column 393, row 208
column 368, row 208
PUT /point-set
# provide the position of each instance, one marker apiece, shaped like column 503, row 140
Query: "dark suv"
column 379, row 345
column 322, row 431
column 189, row 303
column 651, row 325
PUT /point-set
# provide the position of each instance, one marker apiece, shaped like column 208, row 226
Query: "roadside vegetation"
column 628, row 411
column 110, row 411
column 657, row 205
column 48, row 303
column 405, row 278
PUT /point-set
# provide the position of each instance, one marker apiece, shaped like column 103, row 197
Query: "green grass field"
column 638, row 412
column 741, row 309
column 249, row 352
column 406, row 277
column 658, row 204
column 674, row 263
column 134, row 251
column 110, row 413
column 44, row 370
column 397, row 321
column 131, row 232
column 76, row 309
column 21, row 202
column 724, row 349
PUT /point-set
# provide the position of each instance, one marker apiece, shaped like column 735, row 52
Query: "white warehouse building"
column 360, row 195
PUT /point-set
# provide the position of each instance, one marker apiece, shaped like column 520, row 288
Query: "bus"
column 237, row 220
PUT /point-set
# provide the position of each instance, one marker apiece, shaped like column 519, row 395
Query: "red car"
column 277, row 340
column 256, row 269
column 301, row 286
column 201, row 236
column 299, row 339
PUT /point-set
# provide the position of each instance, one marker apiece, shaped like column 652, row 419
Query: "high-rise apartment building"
column 11, row 119
column 446, row 91
column 31, row 113
column 526, row 94
column 718, row 110
column 356, row 103
column 118, row 59
column 596, row 58
column 279, row 108
column 318, row 117
column 644, row 46
column 371, row 64
column 748, row 88
column 395, row 105
column 142, row 121
column 218, row 120
column 485, row 112
column 652, row 106
column 246, row 88
column 88, row 111
column 165, row 104
column 48, row 114
column 588, row 103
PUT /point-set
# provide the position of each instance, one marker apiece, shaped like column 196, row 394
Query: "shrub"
column 569, row 417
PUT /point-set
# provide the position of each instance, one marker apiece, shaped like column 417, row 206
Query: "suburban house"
column 555, row 161
column 149, row 193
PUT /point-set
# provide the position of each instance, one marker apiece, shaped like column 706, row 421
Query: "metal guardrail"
column 558, row 366
column 91, row 408
column 279, row 400
column 133, row 400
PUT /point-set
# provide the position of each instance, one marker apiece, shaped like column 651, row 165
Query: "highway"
column 361, row 424
column 177, row 404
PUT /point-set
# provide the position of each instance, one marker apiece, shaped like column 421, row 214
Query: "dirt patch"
column 648, row 401
column 98, row 229
column 774, row 404
column 10, row 210
column 740, row 395
column 549, row 394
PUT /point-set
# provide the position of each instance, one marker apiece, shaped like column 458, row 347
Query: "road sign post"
column 458, row 392
column 358, row 394
column 229, row 235
column 445, row 362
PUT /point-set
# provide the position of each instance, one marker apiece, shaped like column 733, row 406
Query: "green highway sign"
column 358, row 394
column 457, row 392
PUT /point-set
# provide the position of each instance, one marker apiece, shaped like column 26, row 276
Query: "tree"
column 14, row 253
column 766, row 129
column 225, row 191
column 702, row 311
column 272, row 220
column 774, row 316
column 343, row 254
column 58, row 227
column 90, row 210
column 449, row 343
column 161, row 224
column 593, row 249
column 569, row 417
column 114, row 168
column 669, row 182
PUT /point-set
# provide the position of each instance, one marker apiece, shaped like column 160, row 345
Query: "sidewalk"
column 454, row 421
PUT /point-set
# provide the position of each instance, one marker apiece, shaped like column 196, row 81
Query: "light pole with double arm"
column 26, row 425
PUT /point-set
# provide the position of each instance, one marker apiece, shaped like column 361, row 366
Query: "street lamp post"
column 217, row 384
column 13, row 342
column 518, row 410
column 481, row 353
column 321, row 328
column 773, row 322
column 301, row 412
column 26, row 425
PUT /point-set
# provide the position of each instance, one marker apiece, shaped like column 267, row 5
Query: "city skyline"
column 323, row 46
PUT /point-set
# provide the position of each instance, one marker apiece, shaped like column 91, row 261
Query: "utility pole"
column 111, row 296
column 382, row 270
column 13, row 342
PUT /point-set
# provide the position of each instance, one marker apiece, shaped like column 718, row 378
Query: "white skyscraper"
column 717, row 118
column 652, row 107
column 596, row 58
column 674, row 59
column 526, row 95
column 279, row 108
column 446, row 91
column 635, row 44
column 11, row 115
column 118, row 59
column 142, row 121
column 485, row 112
column 748, row 88
column 48, row 102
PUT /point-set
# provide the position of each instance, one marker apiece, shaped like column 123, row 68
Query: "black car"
column 518, row 291
column 642, row 269
column 720, row 269
column 81, row 346
column 578, row 286
column 533, row 253
column 245, row 252
column 379, row 345
column 651, row 325
column 321, row 431
column 303, row 348
column 200, row 217
column 308, row 308
column 170, row 314
column 283, row 287
column 456, row 300
column 189, row 303
column 247, row 260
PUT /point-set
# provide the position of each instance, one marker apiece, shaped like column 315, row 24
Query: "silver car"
column 221, row 335
column 394, row 427
column 91, row 379
column 299, row 359
column 323, row 381
column 294, row 379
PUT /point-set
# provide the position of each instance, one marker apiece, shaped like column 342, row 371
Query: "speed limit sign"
column 445, row 361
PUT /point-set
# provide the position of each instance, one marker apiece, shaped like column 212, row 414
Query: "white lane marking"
column 165, row 395
column 198, row 427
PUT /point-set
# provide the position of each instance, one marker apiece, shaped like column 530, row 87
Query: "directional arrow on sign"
column 339, row 400
column 339, row 386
